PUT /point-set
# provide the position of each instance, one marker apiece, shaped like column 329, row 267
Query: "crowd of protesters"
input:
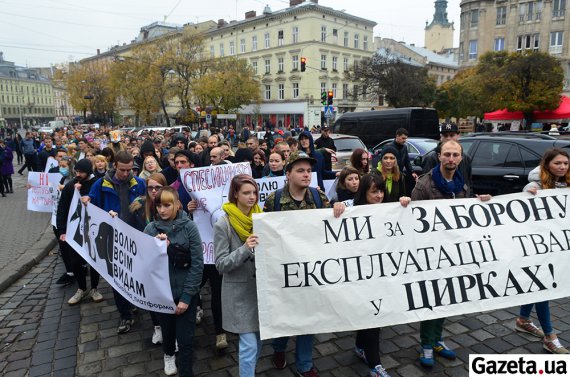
column 136, row 177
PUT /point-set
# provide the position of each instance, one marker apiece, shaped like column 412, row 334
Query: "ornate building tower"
column 439, row 34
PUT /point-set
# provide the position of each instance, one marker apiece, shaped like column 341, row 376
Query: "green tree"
column 400, row 81
column 461, row 97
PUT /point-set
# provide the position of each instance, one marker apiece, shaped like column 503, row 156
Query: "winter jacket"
column 28, row 146
column 534, row 180
column 426, row 189
column 319, row 167
column 239, row 287
column 182, row 232
column 182, row 194
column 7, row 167
column 402, row 157
column 104, row 195
column 430, row 160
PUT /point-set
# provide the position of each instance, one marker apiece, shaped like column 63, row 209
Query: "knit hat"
column 389, row 149
column 84, row 166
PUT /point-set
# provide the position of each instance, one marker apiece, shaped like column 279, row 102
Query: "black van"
column 372, row 127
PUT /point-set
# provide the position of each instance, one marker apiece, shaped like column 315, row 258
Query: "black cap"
column 449, row 127
column 389, row 149
column 84, row 166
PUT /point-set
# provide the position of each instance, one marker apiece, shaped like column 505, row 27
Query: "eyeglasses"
column 154, row 188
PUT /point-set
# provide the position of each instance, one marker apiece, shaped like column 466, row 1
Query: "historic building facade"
column 439, row 33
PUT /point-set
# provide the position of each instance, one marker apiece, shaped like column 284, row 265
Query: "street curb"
column 33, row 256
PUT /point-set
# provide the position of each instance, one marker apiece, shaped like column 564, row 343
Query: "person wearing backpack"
column 297, row 195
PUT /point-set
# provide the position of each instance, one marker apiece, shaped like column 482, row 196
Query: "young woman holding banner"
column 234, row 246
column 185, row 265
column 372, row 190
column 552, row 173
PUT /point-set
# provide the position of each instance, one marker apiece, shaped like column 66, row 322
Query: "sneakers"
column 360, row 354
column 279, row 361
column 157, row 335
column 444, row 351
column 221, row 341
column 528, row 327
column 554, row 346
column 95, row 295
column 77, row 297
column 310, row 373
column 65, row 280
column 426, row 356
column 170, row 365
column 125, row 326
column 379, row 371
column 199, row 315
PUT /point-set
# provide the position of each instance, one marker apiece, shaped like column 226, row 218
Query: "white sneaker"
column 199, row 315
column 157, row 335
column 77, row 297
column 170, row 365
column 95, row 295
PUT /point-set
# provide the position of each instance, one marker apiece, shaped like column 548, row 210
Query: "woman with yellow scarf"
column 388, row 169
column 234, row 246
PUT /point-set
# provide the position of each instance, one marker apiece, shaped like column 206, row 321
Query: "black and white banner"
column 133, row 263
column 381, row 265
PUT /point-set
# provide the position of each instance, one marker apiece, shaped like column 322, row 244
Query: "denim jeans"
column 249, row 351
column 303, row 351
column 542, row 312
column 180, row 328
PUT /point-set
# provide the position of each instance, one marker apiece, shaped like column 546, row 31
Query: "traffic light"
column 324, row 98
column 330, row 98
column 303, row 64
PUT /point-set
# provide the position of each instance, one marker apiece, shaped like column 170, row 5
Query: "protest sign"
column 133, row 263
column 43, row 191
column 382, row 265
column 50, row 164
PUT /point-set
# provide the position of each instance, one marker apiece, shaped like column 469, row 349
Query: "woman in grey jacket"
column 185, row 265
column 234, row 246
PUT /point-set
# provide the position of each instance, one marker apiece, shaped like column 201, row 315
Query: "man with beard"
column 114, row 193
column 444, row 181
column 83, row 180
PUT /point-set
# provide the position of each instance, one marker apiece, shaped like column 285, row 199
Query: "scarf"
column 387, row 178
column 242, row 224
column 453, row 187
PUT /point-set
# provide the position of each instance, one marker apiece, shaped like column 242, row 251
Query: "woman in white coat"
column 234, row 245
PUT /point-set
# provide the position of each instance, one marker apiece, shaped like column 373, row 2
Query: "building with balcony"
column 515, row 25
column 26, row 96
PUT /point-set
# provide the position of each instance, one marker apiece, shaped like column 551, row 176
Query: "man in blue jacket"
column 114, row 193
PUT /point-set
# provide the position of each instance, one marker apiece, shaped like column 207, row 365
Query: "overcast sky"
column 46, row 32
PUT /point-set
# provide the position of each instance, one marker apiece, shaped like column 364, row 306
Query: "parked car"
column 417, row 146
column 502, row 161
column 345, row 145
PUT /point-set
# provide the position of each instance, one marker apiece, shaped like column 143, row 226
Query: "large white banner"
column 381, row 265
column 133, row 263
column 43, row 191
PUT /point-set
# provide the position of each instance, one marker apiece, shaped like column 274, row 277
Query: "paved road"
column 40, row 335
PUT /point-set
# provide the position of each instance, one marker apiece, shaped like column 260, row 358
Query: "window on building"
column 345, row 40
column 281, row 91
column 528, row 42
column 334, row 86
column 499, row 44
column 556, row 42
column 355, row 92
column 232, row 48
column 323, row 33
column 473, row 50
column 530, row 11
column 345, row 64
column 242, row 46
column 267, row 66
column 254, row 43
column 501, row 15
column 280, row 38
column 335, row 36
column 344, row 91
column 212, row 52
column 365, row 43
column 254, row 66
column 267, row 92
column 295, row 90
column 356, row 40
column 295, row 59
column 323, row 87
column 558, row 8
column 474, row 18
column 280, row 64
column 221, row 49
column 295, row 34
column 267, row 41
column 323, row 62
column 335, row 63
